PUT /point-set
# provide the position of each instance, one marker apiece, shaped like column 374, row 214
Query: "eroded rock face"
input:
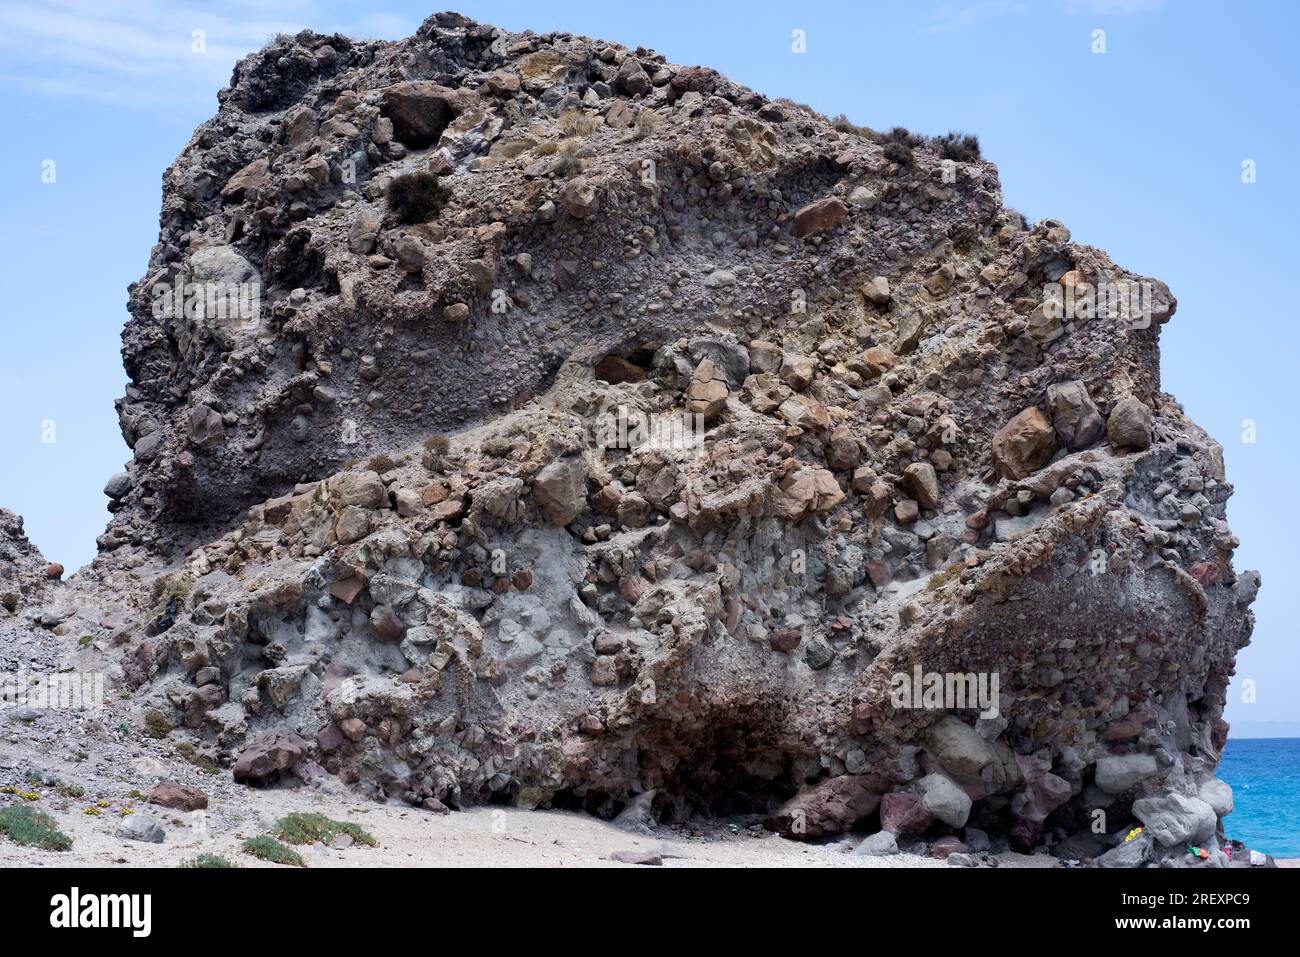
column 652, row 459
column 24, row 573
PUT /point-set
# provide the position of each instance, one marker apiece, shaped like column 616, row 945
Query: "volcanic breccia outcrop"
column 376, row 527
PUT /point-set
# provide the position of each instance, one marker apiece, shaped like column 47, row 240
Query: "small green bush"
column 269, row 849
column 497, row 446
column 900, row 153
column 845, row 125
column 206, row 861
column 901, row 134
column 647, row 121
column 962, row 147
column 32, row 828
column 577, row 123
column 567, row 162
column 416, row 197
column 201, row 761
column 156, row 724
column 944, row 576
column 169, row 594
column 381, row 463
column 310, row 827
column 45, row 779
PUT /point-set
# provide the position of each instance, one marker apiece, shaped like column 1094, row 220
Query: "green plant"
column 169, row 594
column 898, row 152
column 962, row 147
column 201, row 761
column 791, row 104
column 32, row 828
column 567, row 162
column 156, row 724
column 308, row 827
column 381, row 463
column 206, row 861
column 167, row 587
column 577, row 123
column 647, row 121
column 845, row 125
column 267, row 848
column 901, row 134
column 497, row 446
column 416, row 197
column 941, row 578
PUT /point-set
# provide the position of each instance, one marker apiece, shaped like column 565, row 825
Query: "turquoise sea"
column 1265, row 777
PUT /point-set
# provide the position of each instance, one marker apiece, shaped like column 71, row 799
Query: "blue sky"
column 1139, row 150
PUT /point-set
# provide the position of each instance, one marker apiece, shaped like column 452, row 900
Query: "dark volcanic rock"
column 683, row 442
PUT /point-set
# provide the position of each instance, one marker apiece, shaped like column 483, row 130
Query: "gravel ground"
column 88, row 795
column 480, row 837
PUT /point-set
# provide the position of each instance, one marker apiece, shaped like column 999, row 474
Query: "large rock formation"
column 579, row 425
column 24, row 573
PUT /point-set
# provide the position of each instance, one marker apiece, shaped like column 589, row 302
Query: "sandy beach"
column 407, row 837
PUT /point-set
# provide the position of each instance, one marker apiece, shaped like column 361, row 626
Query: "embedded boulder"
column 1024, row 445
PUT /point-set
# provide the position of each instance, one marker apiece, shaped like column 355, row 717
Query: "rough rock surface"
column 23, row 578
column 397, row 522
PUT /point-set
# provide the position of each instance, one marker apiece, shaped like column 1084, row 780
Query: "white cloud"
column 138, row 53
column 949, row 17
column 1121, row 7
column 962, row 16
